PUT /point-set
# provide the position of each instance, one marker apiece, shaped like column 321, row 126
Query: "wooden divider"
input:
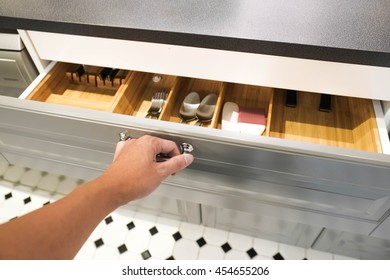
column 203, row 87
column 350, row 123
column 251, row 96
column 60, row 87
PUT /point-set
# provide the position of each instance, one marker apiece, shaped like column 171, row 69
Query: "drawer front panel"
column 353, row 187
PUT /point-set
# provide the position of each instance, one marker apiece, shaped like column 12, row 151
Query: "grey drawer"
column 295, row 180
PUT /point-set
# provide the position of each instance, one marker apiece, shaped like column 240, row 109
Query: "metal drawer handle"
column 184, row 148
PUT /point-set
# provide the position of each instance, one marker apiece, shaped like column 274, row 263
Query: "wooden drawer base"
column 349, row 124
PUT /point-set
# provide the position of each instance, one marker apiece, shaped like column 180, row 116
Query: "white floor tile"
column 137, row 240
column 31, row 178
column 259, row 257
column 145, row 221
column 264, row 247
column 115, row 233
column 236, row 255
column 185, row 249
column 23, row 189
column 86, row 252
column 106, row 252
column 166, row 225
column 7, row 185
column 215, row 236
column 130, row 256
column 67, row 185
column 239, row 241
column 49, row 182
column 11, row 207
column 14, row 173
column 291, row 252
column 42, row 194
column 35, row 203
column 210, row 252
column 191, row 231
column 161, row 245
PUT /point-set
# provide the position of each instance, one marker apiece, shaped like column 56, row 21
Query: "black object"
column 80, row 71
column 325, row 103
column 291, row 98
column 112, row 75
column 104, row 74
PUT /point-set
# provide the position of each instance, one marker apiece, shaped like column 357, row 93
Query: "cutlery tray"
column 63, row 86
column 349, row 124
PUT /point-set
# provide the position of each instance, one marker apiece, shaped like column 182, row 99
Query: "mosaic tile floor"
column 128, row 234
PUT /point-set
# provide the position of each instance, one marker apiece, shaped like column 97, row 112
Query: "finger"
column 167, row 147
column 119, row 148
column 175, row 164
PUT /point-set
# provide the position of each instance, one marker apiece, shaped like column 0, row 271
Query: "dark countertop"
column 354, row 31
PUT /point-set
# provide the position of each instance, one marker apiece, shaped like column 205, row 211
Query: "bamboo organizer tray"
column 250, row 96
column 202, row 87
column 139, row 93
column 350, row 123
column 60, row 87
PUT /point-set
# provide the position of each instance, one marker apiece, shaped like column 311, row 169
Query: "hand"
column 134, row 172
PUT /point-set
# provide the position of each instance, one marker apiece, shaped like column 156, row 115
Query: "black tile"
column 278, row 256
column 171, row 258
column 122, row 248
column 99, row 243
column 251, row 253
column 46, row 203
column 153, row 231
column 8, row 195
column 108, row 220
column 27, row 200
column 146, row 255
column 226, row 247
column 201, row 242
column 177, row 236
column 130, row 225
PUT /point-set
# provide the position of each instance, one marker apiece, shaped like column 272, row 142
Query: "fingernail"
column 188, row 158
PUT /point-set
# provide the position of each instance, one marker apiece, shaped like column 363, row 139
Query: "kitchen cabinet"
column 309, row 170
column 17, row 70
column 355, row 245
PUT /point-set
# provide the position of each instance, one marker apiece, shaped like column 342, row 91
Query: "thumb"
column 176, row 163
column 119, row 148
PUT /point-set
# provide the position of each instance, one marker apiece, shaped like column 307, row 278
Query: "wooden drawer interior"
column 351, row 122
column 63, row 86
column 203, row 88
column 251, row 97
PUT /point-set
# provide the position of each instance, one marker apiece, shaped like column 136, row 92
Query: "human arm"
column 58, row 230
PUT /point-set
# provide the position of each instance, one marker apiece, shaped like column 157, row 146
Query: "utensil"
column 157, row 104
column 189, row 106
column 206, row 109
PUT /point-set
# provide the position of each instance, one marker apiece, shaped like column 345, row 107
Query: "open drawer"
column 348, row 123
column 339, row 153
